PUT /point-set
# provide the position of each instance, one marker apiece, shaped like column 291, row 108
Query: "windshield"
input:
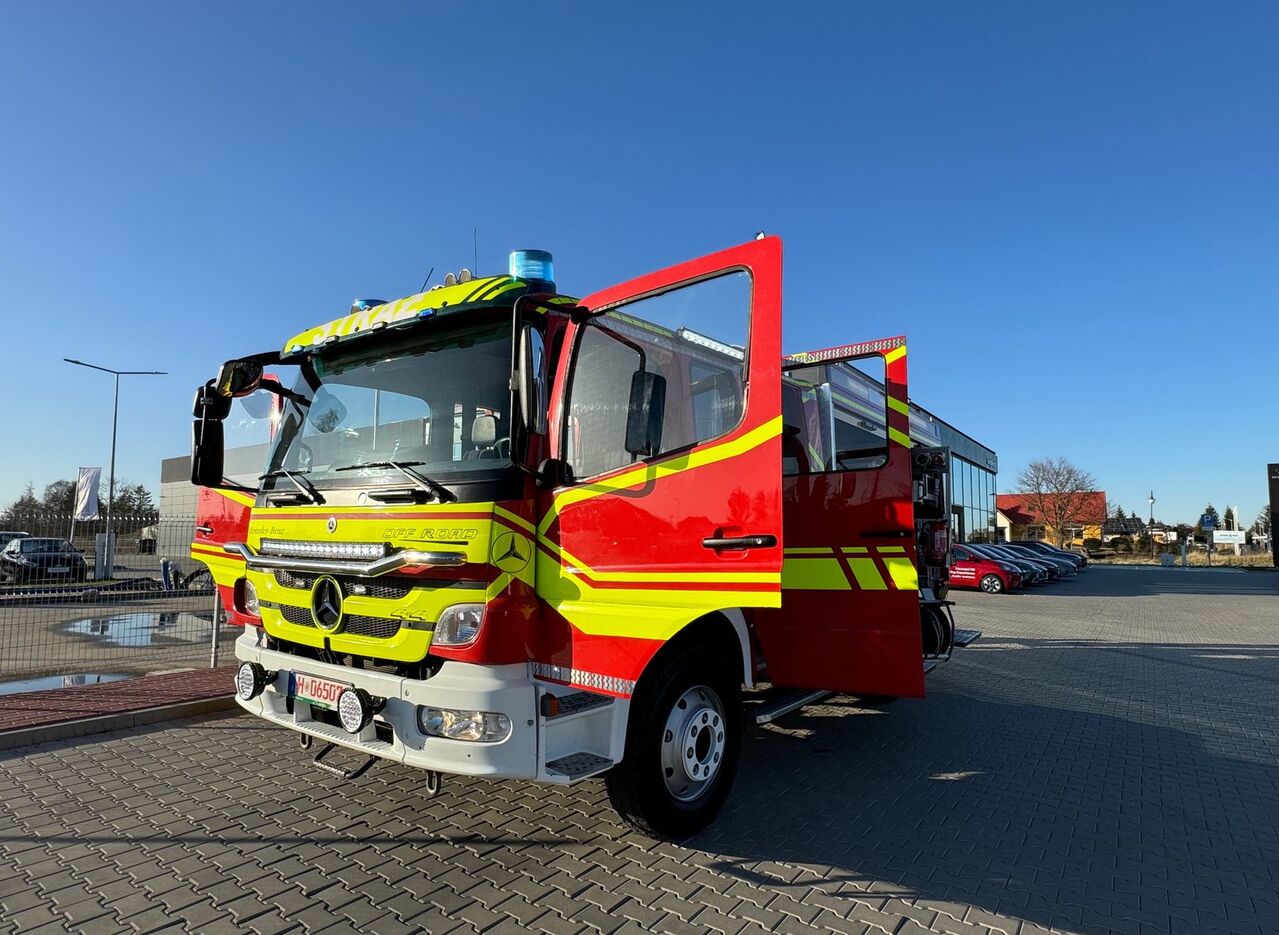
column 437, row 397
column 43, row 546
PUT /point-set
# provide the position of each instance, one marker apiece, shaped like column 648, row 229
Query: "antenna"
column 427, row 279
column 475, row 248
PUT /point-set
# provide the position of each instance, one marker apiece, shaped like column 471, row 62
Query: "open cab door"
column 666, row 429
column 850, row 615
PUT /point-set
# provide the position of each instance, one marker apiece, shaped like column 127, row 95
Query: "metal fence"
column 150, row 610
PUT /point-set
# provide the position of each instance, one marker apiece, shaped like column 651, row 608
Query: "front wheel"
column 682, row 747
column 992, row 584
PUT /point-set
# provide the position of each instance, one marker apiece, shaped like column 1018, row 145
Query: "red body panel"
column 610, row 534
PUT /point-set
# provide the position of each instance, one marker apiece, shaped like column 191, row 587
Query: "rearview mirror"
column 532, row 380
column 645, row 414
column 206, row 452
column 238, row 378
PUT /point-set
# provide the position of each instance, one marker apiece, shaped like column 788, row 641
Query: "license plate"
column 59, row 569
column 322, row 693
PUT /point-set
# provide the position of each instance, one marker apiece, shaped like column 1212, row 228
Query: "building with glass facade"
column 973, row 468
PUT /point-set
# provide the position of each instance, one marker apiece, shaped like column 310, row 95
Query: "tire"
column 697, row 695
column 992, row 584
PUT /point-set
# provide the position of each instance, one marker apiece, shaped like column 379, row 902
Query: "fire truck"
column 504, row 532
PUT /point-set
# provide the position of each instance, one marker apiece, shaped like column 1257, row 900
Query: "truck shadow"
column 1041, row 799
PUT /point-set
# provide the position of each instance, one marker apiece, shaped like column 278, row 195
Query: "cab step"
column 577, row 766
column 560, row 707
column 964, row 637
column 778, row 702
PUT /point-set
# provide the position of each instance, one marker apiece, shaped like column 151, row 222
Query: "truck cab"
column 504, row 532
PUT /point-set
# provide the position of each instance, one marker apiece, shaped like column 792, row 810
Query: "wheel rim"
column 990, row 584
column 693, row 743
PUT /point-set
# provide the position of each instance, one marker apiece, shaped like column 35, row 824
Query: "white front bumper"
column 506, row 689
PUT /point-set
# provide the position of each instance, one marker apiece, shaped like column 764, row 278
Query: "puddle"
column 145, row 628
column 58, row 681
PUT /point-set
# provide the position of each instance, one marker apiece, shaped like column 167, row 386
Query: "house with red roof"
column 1037, row 516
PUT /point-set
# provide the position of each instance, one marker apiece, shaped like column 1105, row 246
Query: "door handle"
column 887, row 534
column 739, row 543
column 204, row 530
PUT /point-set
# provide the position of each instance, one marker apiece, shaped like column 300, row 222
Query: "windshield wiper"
column 435, row 488
column 308, row 489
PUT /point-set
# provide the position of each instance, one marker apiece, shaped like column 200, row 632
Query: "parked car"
column 1065, row 567
column 8, row 535
column 970, row 570
column 1049, row 568
column 1035, row 545
column 32, row 559
column 1031, row 572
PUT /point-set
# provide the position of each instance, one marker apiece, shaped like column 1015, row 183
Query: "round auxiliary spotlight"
column 250, row 680
column 355, row 710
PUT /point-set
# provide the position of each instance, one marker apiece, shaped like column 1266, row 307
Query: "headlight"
column 355, row 710
column 250, row 680
column 247, row 595
column 478, row 726
column 459, row 625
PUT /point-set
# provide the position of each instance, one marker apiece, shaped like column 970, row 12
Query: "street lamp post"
column 115, row 420
column 1151, row 526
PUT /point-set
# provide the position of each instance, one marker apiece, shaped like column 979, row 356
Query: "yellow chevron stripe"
column 512, row 518
column 648, row 473
column 898, row 436
column 577, row 566
column 896, row 404
column 867, row 574
column 896, row 353
column 814, row 574
column 903, row 573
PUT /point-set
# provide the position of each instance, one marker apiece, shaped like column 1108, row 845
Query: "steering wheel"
column 502, row 447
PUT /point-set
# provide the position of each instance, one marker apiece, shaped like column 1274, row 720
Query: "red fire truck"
column 504, row 532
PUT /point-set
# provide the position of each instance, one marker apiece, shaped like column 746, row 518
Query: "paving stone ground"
column 1105, row 759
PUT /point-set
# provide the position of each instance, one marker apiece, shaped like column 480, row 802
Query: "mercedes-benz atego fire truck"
column 504, row 532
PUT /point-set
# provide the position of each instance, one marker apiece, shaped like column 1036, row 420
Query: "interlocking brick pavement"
column 1105, row 759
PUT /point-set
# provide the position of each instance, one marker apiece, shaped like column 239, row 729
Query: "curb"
column 83, row 727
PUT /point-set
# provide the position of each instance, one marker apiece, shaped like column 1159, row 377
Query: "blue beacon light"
column 533, row 265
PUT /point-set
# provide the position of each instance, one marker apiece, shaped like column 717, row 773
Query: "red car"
column 970, row 570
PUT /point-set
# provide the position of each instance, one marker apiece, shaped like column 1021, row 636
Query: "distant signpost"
column 1228, row 537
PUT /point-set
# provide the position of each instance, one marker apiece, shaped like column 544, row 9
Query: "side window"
column 835, row 417
column 658, row 375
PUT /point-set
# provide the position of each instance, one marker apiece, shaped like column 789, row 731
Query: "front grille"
column 385, row 590
column 382, row 628
column 299, row 616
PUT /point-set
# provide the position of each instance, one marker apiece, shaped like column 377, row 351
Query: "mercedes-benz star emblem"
column 511, row 553
column 326, row 603
column 333, row 524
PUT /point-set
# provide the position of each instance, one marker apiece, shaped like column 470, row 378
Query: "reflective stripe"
column 899, row 436
column 608, row 683
column 898, row 405
column 655, row 470
column 867, row 574
column 903, row 573
column 814, row 574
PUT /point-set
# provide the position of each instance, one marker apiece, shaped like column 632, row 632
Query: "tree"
column 21, row 510
column 1060, row 492
column 133, row 500
column 1229, row 518
column 1120, row 514
column 59, row 498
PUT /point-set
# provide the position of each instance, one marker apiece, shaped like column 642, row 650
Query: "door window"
column 693, row 340
column 835, row 417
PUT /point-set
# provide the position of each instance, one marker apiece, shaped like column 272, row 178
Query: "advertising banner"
column 86, row 493
column 1272, row 471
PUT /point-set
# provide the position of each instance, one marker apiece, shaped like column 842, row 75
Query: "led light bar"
column 338, row 550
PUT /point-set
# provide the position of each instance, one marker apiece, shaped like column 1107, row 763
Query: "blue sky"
column 1077, row 202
